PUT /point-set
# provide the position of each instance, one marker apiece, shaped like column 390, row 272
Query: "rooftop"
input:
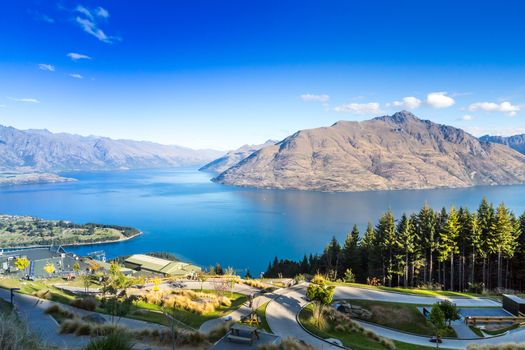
column 35, row 253
column 161, row 265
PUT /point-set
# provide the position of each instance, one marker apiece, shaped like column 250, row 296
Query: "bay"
column 181, row 211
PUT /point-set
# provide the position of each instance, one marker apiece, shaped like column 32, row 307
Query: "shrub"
column 220, row 331
column 83, row 329
column 57, row 310
column 87, row 303
column 113, row 341
column 69, row 326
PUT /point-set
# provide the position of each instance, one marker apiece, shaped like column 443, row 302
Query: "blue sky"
column 224, row 73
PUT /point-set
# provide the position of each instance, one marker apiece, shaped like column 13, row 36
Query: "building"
column 514, row 304
column 38, row 258
column 151, row 264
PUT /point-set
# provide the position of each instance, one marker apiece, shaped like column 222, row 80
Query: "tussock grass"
column 88, row 303
column 510, row 346
column 189, row 300
column 14, row 335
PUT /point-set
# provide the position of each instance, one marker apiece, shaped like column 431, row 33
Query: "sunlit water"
column 181, row 211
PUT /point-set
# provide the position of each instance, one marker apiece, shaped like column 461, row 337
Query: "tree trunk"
column 430, row 268
column 500, row 284
column 452, row 271
column 484, row 273
column 406, row 270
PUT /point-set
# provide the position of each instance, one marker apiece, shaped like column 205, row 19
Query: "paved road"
column 31, row 310
column 281, row 316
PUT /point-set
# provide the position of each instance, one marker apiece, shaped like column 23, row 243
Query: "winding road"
column 281, row 315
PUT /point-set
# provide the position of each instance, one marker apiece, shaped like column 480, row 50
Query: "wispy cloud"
column 24, row 100
column 315, row 98
column 440, row 100
column 89, row 20
column 76, row 76
column 409, row 102
column 359, row 108
column 503, row 107
column 47, row 67
column 467, row 117
column 78, row 56
column 2, row 106
column 44, row 18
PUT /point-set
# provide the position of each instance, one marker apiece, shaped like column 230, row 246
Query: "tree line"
column 458, row 250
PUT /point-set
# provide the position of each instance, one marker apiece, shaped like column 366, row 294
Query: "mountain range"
column 233, row 157
column 399, row 151
column 43, row 151
column 516, row 142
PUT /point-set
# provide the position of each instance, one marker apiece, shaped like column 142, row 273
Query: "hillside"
column 516, row 142
column 43, row 151
column 233, row 157
column 385, row 153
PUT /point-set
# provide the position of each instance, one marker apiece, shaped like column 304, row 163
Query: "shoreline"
column 124, row 239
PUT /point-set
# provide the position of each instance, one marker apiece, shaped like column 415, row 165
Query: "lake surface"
column 181, row 211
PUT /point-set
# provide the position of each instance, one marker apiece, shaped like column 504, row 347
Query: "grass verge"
column 353, row 340
column 399, row 316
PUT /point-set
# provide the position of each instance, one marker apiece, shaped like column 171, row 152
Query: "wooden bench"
column 237, row 339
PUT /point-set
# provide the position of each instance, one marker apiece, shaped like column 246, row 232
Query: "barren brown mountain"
column 385, row 153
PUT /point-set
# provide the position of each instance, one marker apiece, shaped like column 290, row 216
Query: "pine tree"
column 331, row 258
column 448, row 242
column 350, row 251
column 386, row 236
column 370, row 252
column 427, row 232
column 486, row 225
column 501, row 241
column 406, row 240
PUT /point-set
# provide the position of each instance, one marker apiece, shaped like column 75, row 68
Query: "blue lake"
column 181, row 211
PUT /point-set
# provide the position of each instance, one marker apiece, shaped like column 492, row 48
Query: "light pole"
column 13, row 290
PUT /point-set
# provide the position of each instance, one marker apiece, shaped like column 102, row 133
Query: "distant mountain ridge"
column 516, row 142
column 42, row 150
column 233, row 157
column 399, row 151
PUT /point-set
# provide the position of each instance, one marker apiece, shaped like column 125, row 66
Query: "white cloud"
column 358, row 108
column 26, row 100
column 315, row 98
column 78, row 56
column 76, row 76
column 44, row 18
column 504, row 107
column 467, row 117
column 89, row 20
column 439, row 100
column 102, row 12
column 409, row 102
column 48, row 67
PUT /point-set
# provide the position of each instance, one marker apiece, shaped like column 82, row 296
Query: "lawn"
column 403, row 317
column 261, row 312
column 415, row 291
column 38, row 288
column 353, row 340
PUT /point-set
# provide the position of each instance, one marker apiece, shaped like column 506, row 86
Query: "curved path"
column 282, row 312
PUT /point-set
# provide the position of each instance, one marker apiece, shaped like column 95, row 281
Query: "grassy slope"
column 403, row 317
column 353, row 340
column 148, row 312
column 414, row 291
column 191, row 319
